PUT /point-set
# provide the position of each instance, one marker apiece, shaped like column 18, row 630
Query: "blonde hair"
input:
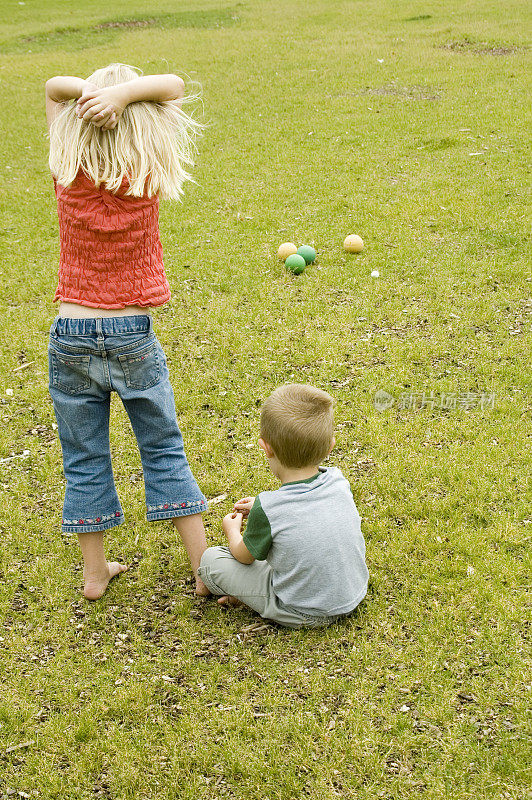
column 150, row 146
column 297, row 421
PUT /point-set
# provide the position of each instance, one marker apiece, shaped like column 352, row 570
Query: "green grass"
column 325, row 118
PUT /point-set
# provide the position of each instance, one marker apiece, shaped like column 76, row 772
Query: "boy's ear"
column 266, row 447
column 333, row 442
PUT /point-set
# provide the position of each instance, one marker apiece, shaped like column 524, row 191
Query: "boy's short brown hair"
column 297, row 421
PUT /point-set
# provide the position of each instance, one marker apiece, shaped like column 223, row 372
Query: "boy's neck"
column 290, row 475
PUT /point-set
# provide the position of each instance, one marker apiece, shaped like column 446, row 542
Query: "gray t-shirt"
column 309, row 532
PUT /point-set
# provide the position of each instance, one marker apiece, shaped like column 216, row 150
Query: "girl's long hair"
column 151, row 146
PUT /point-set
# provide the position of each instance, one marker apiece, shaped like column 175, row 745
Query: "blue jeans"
column 88, row 359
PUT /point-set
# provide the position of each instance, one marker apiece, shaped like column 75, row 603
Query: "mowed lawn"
column 407, row 123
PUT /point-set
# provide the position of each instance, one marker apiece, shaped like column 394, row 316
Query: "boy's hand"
column 232, row 522
column 243, row 506
column 232, row 527
column 102, row 107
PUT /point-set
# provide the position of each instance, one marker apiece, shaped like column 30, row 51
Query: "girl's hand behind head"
column 100, row 106
column 111, row 123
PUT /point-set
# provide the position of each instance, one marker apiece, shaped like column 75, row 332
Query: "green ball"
column 308, row 253
column 295, row 264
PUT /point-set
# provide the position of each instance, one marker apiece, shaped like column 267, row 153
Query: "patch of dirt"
column 172, row 704
column 125, row 23
column 184, row 19
column 482, row 48
column 101, row 787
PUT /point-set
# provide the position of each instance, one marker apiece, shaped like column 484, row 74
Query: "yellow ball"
column 353, row 243
column 285, row 250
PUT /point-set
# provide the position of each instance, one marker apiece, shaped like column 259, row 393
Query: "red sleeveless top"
column 111, row 252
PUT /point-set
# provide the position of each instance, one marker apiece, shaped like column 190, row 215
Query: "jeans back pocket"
column 70, row 373
column 142, row 368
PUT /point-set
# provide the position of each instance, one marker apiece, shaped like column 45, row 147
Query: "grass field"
column 406, row 122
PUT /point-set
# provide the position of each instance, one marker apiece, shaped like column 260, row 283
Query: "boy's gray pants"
column 251, row 583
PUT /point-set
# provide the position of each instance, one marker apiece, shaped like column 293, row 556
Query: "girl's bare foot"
column 96, row 584
column 229, row 600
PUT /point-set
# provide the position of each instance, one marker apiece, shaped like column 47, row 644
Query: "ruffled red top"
column 111, row 252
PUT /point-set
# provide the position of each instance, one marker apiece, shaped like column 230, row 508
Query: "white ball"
column 375, row 273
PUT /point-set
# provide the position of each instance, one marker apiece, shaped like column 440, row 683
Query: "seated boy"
column 301, row 560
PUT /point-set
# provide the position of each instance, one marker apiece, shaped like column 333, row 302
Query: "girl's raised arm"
column 59, row 90
column 155, row 88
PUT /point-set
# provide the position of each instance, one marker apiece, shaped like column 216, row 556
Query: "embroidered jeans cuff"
column 171, row 510
column 92, row 524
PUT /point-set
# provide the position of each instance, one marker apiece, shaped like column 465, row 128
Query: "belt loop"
column 150, row 329
column 99, row 328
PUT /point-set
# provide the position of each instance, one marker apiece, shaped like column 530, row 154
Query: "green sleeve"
column 258, row 534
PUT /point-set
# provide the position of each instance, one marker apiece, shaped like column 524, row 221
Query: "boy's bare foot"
column 201, row 589
column 95, row 585
column 229, row 600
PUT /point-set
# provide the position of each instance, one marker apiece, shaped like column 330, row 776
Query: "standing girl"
column 124, row 143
